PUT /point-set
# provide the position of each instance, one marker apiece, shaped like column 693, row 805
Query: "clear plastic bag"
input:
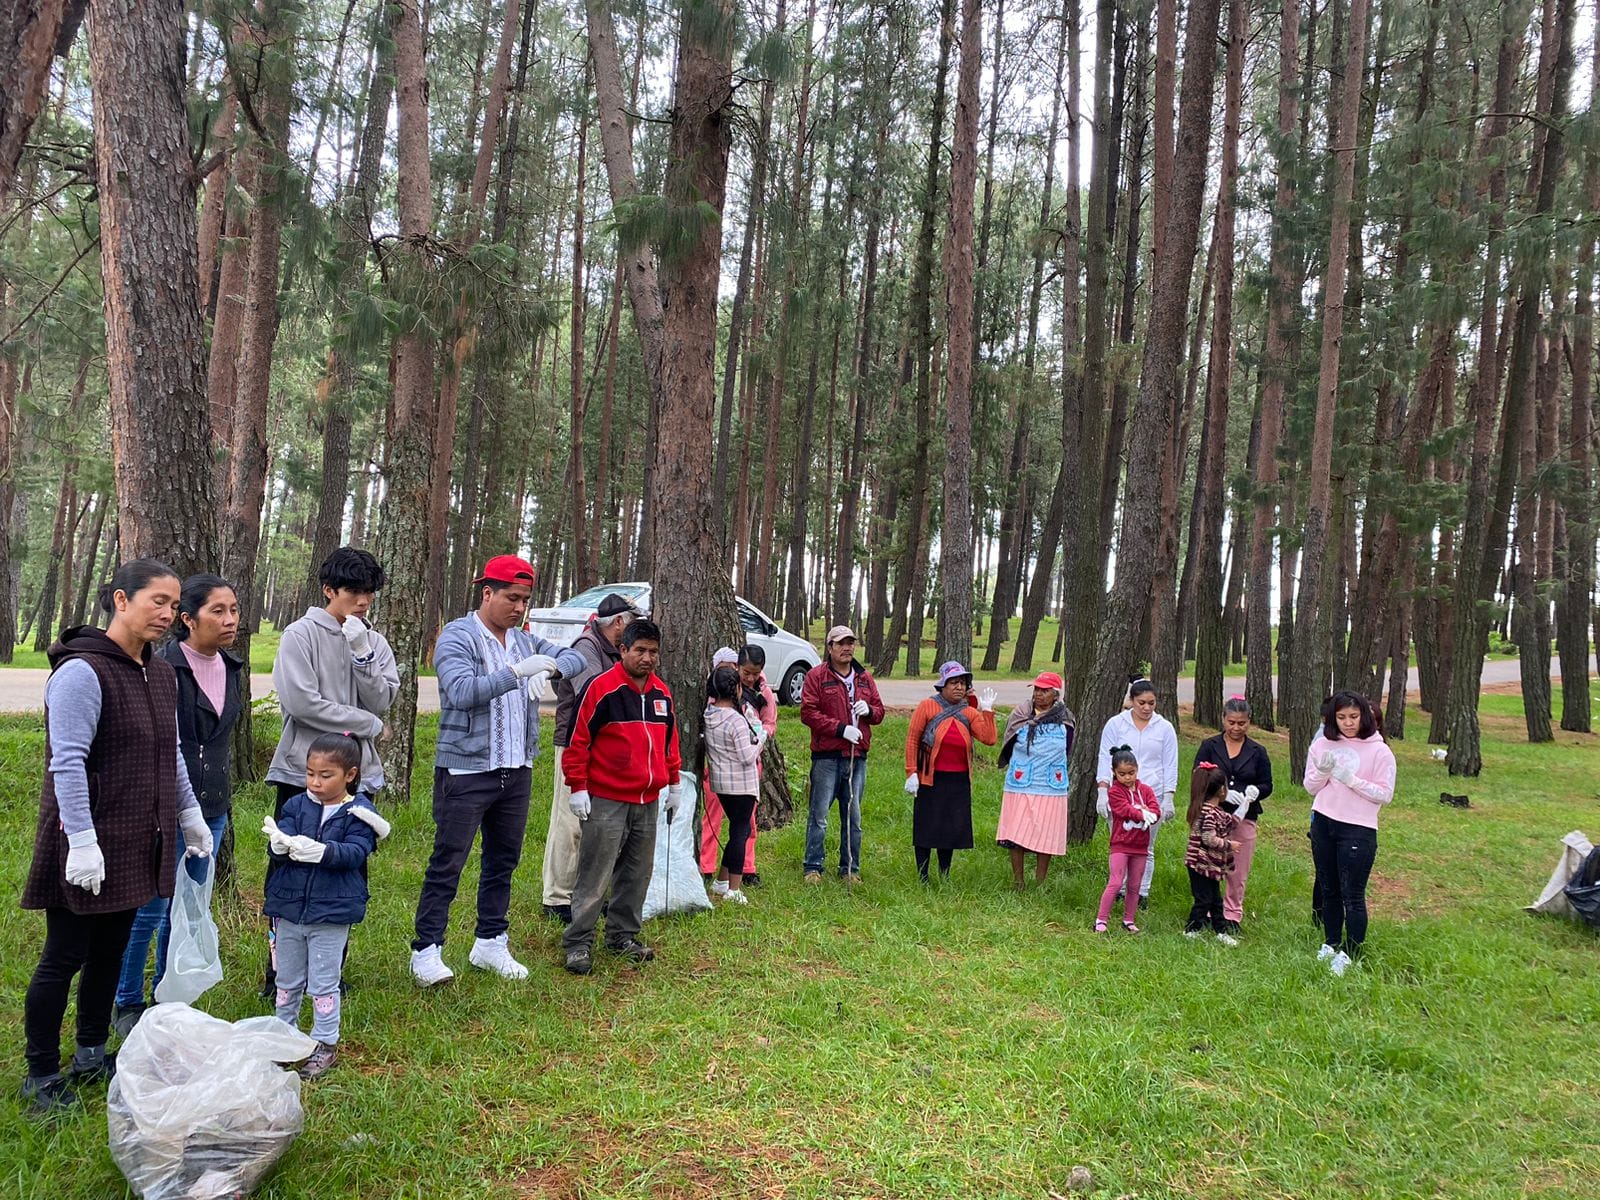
column 675, row 883
column 200, row 1109
column 193, row 960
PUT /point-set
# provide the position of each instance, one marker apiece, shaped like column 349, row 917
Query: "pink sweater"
column 1370, row 784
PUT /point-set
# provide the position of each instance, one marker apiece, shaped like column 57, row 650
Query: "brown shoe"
column 813, row 876
column 320, row 1062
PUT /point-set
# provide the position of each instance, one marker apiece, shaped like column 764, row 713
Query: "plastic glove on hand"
column 986, row 699
column 1168, row 807
column 852, row 735
column 306, row 849
column 679, row 793
column 1325, row 762
column 911, row 785
column 1102, row 804
column 358, row 635
column 860, row 708
column 197, row 840
column 578, row 802
column 1237, row 799
column 86, row 866
column 534, row 664
column 277, row 840
column 1343, row 774
column 1252, row 793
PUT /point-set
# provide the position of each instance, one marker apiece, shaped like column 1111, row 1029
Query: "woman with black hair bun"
column 1154, row 743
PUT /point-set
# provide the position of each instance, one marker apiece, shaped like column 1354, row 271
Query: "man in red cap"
column 488, row 670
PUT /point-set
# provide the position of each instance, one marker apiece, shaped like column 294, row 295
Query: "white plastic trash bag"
column 1575, row 847
column 200, row 1109
column 193, row 960
column 675, row 883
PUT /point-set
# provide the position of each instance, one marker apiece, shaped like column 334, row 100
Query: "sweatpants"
column 310, row 961
column 1123, row 867
column 561, row 843
column 1207, row 912
column 89, row 946
column 1239, row 872
column 618, row 852
column 1149, row 861
column 497, row 803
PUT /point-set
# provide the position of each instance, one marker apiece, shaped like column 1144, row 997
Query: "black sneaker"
column 91, row 1066
column 633, row 950
column 48, row 1095
column 752, row 880
column 124, row 1019
column 321, row 1061
column 579, row 960
column 1144, row 903
column 269, row 986
column 559, row 912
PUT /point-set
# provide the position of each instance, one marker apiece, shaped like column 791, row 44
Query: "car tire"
column 793, row 683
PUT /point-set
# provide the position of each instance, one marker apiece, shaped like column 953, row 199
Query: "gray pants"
column 309, row 961
column 618, row 851
column 561, row 842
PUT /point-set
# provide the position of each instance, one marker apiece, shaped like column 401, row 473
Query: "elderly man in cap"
column 598, row 646
column 488, row 671
column 839, row 704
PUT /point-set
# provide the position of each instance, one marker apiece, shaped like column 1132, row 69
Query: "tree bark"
column 28, row 31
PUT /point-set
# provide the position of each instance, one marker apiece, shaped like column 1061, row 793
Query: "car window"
column 592, row 597
column 749, row 621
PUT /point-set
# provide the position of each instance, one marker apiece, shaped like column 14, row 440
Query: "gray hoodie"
column 323, row 689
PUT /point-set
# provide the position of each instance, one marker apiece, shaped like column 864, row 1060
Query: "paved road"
column 22, row 688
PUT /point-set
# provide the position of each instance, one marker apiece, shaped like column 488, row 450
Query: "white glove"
column 196, row 833
column 852, row 735
column 86, row 866
column 986, row 699
column 911, row 785
column 534, row 664
column 1325, row 762
column 306, row 849
column 1168, row 808
column 1252, row 793
column 578, row 802
column 1237, row 800
column 1102, row 804
column 1344, row 774
column 861, row 708
column 675, row 796
column 1150, row 818
column 277, row 840
column 356, row 633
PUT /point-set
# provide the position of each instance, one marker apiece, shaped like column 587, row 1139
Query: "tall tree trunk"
column 28, row 32
column 160, row 426
column 576, row 319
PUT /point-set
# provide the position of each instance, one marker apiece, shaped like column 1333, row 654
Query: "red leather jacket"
column 825, row 708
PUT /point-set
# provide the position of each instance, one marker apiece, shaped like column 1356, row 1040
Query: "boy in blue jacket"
column 325, row 834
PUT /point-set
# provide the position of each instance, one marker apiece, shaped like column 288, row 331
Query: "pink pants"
column 710, row 844
column 1122, row 867
column 1233, row 898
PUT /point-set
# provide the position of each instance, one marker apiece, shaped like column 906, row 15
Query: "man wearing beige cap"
column 839, row 704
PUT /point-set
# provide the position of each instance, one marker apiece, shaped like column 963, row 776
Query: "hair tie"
column 1205, row 766
column 1236, row 696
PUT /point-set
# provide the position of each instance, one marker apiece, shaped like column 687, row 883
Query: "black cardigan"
column 1253, row 766
column 205, row 734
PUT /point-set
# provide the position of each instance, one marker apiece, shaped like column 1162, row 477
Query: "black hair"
column 131, row 578
column 644, row 629
column 1123, row 756
column 495, row 586
column 353, row 569
column 1236, row 706
column 1138, row 685
column 344, row 750
column 752, row 656
column 1347, row 699
column 197, row 590
column 725, row 683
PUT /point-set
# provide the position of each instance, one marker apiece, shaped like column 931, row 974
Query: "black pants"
column 741, row 812
column 926, row 852
column 91, row 947
column 1344, row 854
column 496, row 802
column 1207, row 910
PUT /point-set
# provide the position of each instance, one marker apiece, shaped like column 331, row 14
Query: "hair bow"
column 1205, row 766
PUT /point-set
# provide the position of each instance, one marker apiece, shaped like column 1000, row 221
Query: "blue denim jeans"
column 154, row 920
column 830, row 778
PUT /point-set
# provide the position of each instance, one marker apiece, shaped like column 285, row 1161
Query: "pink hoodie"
column 1370, row 764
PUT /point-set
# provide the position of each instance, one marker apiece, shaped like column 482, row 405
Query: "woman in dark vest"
column 208, row 707
column 115, row 801
column 1249, row 770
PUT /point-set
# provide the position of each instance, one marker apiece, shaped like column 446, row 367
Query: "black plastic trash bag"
column 1583, row 889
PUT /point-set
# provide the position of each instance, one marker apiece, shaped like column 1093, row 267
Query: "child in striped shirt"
column 1210, row 852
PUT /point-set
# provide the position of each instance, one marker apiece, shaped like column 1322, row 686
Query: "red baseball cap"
column 1047, row 679
column 507, row 568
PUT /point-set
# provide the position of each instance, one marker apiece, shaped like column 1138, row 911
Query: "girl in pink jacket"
column 1350, row 775
column 1134, row 809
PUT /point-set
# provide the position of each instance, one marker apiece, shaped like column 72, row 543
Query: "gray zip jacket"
column 323, row 689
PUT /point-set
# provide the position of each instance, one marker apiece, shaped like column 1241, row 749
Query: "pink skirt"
column 1033, row 822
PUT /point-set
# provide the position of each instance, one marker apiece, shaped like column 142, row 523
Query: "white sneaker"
column 1227, row 939
column 1339, row 962
column 1326, row 952
column 735, row 897
column 719, row 887
column 1191, row 933
column 493, row 954
column 428, row 968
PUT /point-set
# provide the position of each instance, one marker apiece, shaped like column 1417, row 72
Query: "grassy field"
column 953, row 1041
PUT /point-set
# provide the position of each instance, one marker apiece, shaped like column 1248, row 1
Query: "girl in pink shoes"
column 1134, row 809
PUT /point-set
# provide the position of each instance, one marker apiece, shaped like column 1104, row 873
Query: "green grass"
column 953, row 1041
column 263, row 649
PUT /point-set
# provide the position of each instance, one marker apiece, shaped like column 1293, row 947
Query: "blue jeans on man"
column 840, row 778
column 154, row 920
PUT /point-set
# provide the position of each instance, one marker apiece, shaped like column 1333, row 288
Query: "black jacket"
column 1253, row 766
column 205, row 733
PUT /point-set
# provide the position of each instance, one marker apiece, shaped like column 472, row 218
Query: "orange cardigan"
column 983, row 728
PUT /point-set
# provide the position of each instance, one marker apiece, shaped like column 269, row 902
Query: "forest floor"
column 958, row 1040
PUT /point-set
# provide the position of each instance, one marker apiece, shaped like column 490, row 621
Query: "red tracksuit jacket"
column 624, row 740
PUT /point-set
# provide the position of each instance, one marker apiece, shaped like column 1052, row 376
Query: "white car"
column 788, row 657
